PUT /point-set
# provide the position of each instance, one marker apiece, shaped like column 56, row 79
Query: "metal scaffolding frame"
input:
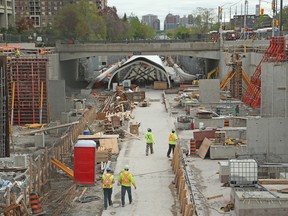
column 4, row 122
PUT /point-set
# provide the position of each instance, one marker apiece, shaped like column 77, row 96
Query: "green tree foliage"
column 139, row 30
column 80, row 22
column 183, row 33
column 117, row 29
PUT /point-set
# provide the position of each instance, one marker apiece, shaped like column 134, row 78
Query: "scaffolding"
column 276, row 52
column 27, row 78
column 4, row 122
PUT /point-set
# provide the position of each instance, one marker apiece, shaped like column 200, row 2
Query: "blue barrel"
column 86, row 132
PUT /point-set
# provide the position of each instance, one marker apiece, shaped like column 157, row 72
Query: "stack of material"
column 204, row 114
column 116, row 121
column 199, row 136
column 102, row 154
column 134, row 128
column 220, row 137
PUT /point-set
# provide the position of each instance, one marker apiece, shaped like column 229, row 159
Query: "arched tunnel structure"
column 141, row 70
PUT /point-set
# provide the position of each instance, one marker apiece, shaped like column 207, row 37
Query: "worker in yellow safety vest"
column 149, row 141
column 17, row 53
column 126, row 179
column 172, row 142
column 107, row 181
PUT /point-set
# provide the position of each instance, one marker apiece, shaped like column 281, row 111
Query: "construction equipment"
column 276, row 52
column 215, row 72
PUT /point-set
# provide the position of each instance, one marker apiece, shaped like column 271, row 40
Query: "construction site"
column 231, row 156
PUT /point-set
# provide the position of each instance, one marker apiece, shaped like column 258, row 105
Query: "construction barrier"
column 186, row 205
column 35, row 204
column 226, row 123
column 192, row 147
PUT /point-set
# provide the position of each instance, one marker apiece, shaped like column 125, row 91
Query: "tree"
column 139, row 30
column 24, row 24
column 79, row 21
column 203, row 20
column 117, row 29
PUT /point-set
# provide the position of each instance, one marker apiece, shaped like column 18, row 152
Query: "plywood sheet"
column 204, row 148
column 98, row 136
column 110, row 143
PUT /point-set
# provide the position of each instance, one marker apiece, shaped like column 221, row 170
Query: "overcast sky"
column 183, row 7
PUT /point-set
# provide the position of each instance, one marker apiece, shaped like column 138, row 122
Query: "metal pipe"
column 280, row 18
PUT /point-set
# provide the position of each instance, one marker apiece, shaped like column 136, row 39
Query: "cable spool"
column 35, row 204
column 192, row 147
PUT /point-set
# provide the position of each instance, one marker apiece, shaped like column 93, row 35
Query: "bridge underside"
column 141, row 71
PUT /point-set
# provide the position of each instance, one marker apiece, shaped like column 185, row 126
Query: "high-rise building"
column 151, row 20
column 40, row 11
column 171, row 22
column 7, row 13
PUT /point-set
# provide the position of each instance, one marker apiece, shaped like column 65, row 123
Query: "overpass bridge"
column 208, row 50
column 125, row 48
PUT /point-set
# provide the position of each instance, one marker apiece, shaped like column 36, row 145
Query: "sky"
column 183, row 7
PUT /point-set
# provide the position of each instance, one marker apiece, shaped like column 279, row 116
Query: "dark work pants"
column 171, row 148
column 149, row 145
column 107, row 197
column 123, row 192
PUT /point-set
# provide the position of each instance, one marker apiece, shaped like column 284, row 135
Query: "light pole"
column 245, row 17
column 220, row 11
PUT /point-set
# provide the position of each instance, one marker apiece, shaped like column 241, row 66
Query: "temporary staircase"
column 274, row 53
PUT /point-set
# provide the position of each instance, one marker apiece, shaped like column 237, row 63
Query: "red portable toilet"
column 84, row 162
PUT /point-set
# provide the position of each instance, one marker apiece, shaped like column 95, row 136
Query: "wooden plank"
column 50, row 128
column 110, row 143
column 214, row 197
column 98, row 136
column 273, row 181
column 204, row 148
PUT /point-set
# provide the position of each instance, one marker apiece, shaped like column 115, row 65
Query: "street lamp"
column 220, row 11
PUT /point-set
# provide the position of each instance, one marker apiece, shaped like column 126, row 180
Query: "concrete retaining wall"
column 209, row 90
column 274, row 98
column 268, row 136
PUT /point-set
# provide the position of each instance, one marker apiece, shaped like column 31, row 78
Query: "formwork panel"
column 29, row 75
column 4, row 118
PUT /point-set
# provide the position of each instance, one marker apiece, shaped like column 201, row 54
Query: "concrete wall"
column 274, row 89
column 268, row 136
column 209, row 90
column 57, row 98
column 53, row 67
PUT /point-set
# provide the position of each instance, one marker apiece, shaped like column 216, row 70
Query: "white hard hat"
column 126, row 167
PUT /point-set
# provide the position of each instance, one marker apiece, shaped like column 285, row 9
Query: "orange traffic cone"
column 35, row 204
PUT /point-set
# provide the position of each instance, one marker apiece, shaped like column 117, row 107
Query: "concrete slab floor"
column 155, row 193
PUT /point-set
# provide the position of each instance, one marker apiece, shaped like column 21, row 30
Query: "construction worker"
column 126, row 179
column 172, row 142
column 149, row 141
column 107, row 181
column 17, row 53
column 236, row 110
